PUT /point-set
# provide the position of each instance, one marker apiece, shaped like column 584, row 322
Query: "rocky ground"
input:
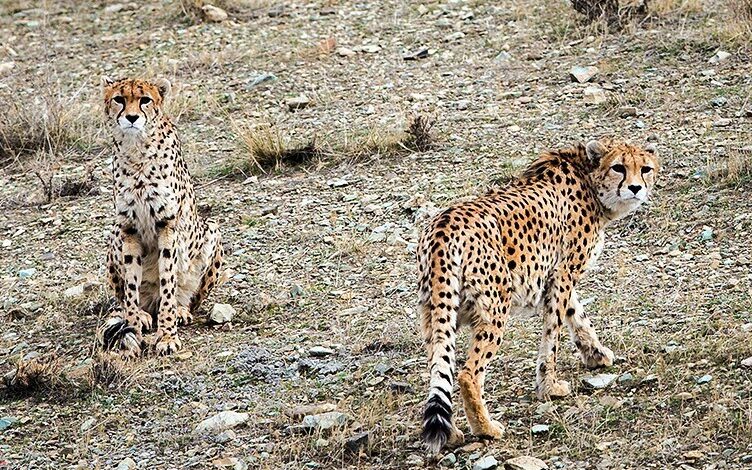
column 321, row 257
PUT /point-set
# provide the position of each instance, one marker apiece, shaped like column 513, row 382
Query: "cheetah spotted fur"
column 525, row 245
column 163, row 260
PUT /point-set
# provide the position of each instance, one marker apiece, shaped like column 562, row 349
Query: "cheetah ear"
column 106, row 81
column 164, row 86
column 595, row 151
column 651, row 148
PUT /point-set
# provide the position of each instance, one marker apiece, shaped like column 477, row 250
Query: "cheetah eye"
column 145, row 100
column 619, row 168
column 119, row 100
column 646, row 169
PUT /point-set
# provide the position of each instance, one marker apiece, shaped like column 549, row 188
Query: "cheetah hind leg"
column 213, row 247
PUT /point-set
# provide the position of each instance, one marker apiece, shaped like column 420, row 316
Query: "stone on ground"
column 525, row 462
column 221, row 422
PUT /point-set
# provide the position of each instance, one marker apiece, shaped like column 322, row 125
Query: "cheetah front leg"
column 167, row 330
column 557, row 297
column 592, row 352
column 124, row 328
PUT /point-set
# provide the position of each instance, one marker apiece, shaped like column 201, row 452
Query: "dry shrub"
column 50, row 126
column 108, row 371
column 41, row 376
column 742, row 15
column 740, row 164
column 268, row 149
column 612, row 12
column 240, row 9
column 417, row 137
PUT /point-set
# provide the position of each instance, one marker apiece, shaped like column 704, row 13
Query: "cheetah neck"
column 133, row 149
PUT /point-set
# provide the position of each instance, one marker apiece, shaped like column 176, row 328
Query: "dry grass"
column 53, row 125
column 239, row 9
column 108, row 371
column 735, row 169
column 418, row 136
column 267, row 149
column 41, row 376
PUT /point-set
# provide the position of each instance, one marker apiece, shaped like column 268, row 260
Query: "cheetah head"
column 623, row 174
column 132, row 105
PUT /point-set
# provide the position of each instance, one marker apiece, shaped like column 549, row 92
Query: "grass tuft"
column 268, row 149
column 108, row 371
column 40, row 377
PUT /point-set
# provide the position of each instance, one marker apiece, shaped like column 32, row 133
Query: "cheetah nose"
column 635, row 188
column 133, row 118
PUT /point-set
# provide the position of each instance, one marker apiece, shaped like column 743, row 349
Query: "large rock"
column 222, row 313
column 599, row 381
column 487, row 462
column 221, row 422
column 583, row 74
column 525, row 463
column 325, row 421
column 213, row 14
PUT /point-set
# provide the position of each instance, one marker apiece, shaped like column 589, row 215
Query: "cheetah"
column 524, row 245
column 163, row 260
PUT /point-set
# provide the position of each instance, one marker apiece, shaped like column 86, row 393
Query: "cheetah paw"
column 168, row 344
column 184, row 316
column 118, row 335
column 140, row 319
column 494, row 430
column 557, row 389
column 598, row 357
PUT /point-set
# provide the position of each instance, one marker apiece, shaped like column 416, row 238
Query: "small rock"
column 299, row 102
column 337, row 183
column 263, row 79
column 693, row 455
column 301, row 411
column 719, row 56
column 357, row 442
column 414, row 460
column 525, row 463
column 230, row 462
column 649, row 379
column 81, row 289
column 345, row 52
column 225, row 436
column 583, row 74
column 599, row 381
column 325, row 421
column 353, row 311
column 719, row 101
column 540, row 429
column 704, row 379
column 88, row 424
column 503, row 57
column 214, row 14
column 320, row 351
column 627, row 111
column 449, row 460
column 747, row 362
column 456, row 36
column 6, row 422
column 722, row 122
column 400, row 387
column 127, row 464
column 222, row 313
column 683, row 396
column 6, row 67
column 27, row 273
column 594, row 95
column 369, row 48
column 417, row 54
column 221, row 422
column 487, row 462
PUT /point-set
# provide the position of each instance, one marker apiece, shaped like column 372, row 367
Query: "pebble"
column 649, row 379
column 214, row 14
column 627, row 111
column 320, row 351
column 6, row 422
column 599, row 381
column 704, row 379
column 6, row 67
column 230, row 462
column 222, row 313
column 345, row 52
column 27, row 273
column 80, row 289
column 683, row 396
column 503, row 57
column 298, row 102
column 263, row 79
column 325, row 421
column 594, row 95
column 719, row 56
column 540, row 429
column 581, row 74
column 88, row 424
column 487, row 462
column 747, row 362
column 127, row 464
column 417, row 54
column 449, row 460
column 225, row 436
column 626, row 379
column 525, row 462
column 337, row 183
column 357, row 442
column 221, row 422
column 456, row 36
column 722, row 122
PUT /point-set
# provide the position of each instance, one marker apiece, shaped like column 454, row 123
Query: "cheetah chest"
column 143, row 202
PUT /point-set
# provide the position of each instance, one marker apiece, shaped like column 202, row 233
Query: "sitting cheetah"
column 524, row 245
column 163, row 260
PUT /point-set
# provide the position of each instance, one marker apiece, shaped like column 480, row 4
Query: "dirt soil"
column 322, row 255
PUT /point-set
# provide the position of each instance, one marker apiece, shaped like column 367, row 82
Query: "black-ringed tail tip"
column 437, row 424
column 117, row 335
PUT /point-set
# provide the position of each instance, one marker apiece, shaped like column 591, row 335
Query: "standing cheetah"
column 163, row 260
column 524, row 245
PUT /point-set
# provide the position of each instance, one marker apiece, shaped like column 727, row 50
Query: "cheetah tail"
column 440, row 327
